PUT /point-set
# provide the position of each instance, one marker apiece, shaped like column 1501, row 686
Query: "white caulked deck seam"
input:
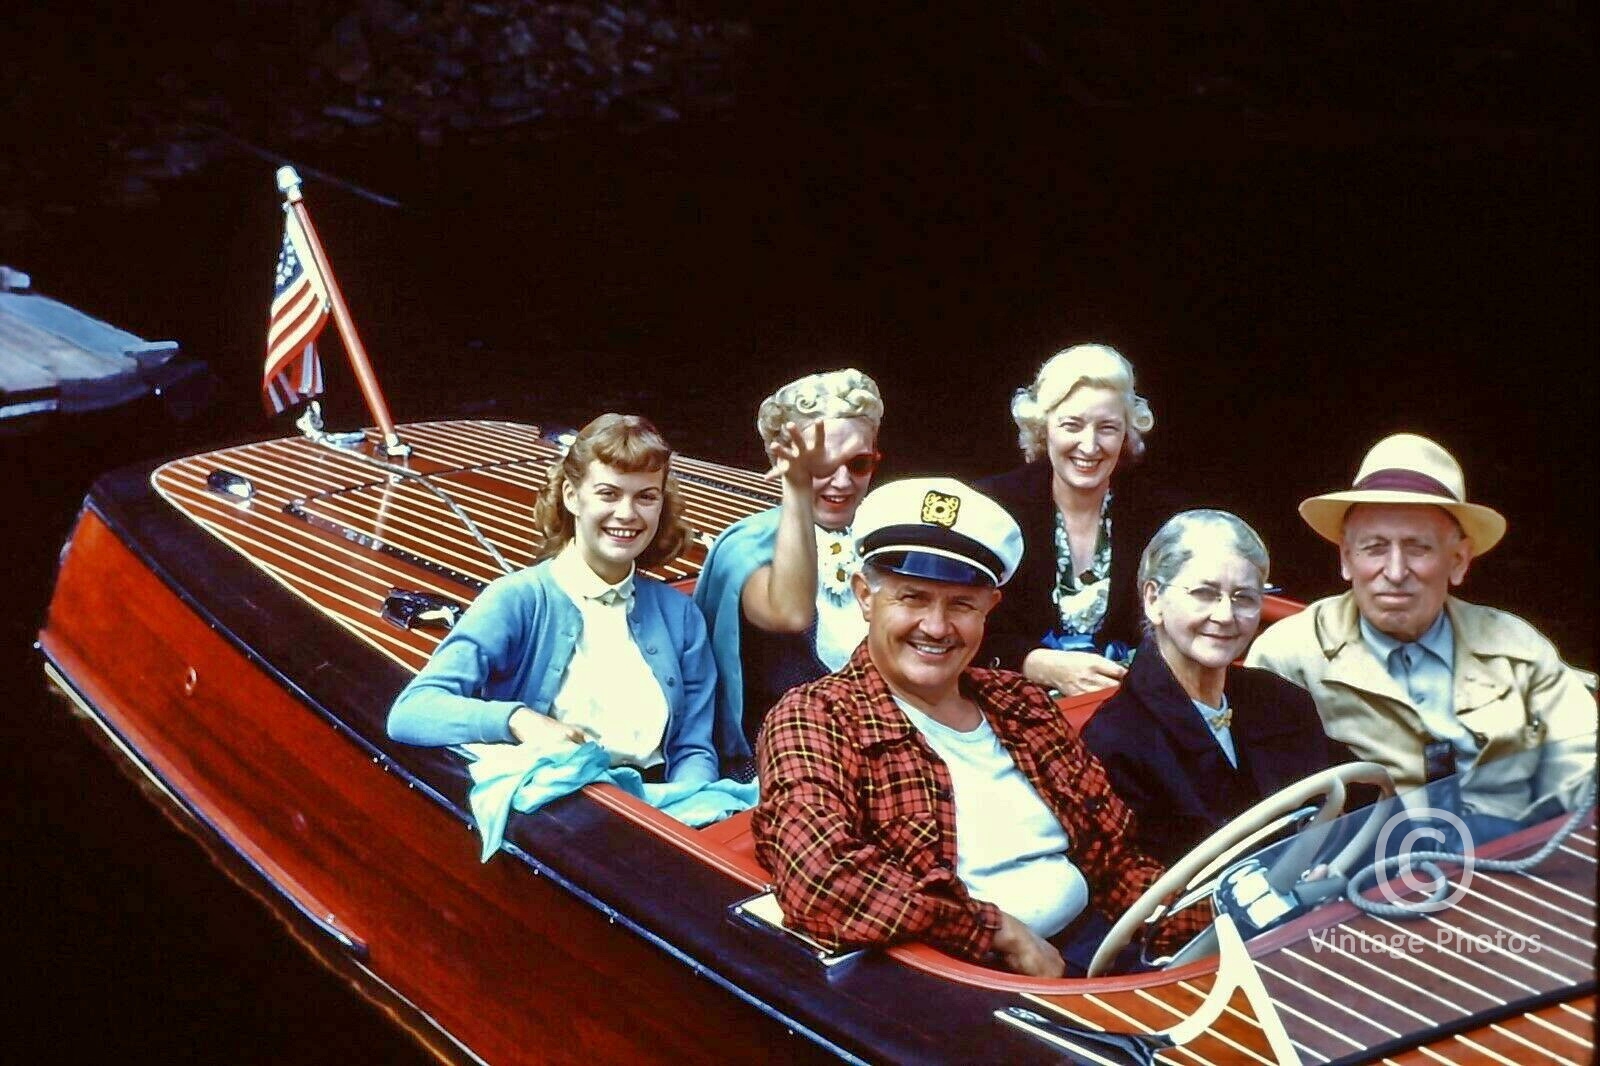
column 370, row 607
column 1522, row 957
column 286, row 470
column 508, row 524
column 1552, row 886
column 402, row 495
column 523, row 474
column 449, row 429
column 528, row 430
column 495, row 459
column 1481, row 1050
column 1518, row 1038
column 1141, row 1027
column 272, row 487
column 1469, row 960
column 1074, row 1018
column 673, row 569
column 476, row 501
column 234, row 538
column 360, row 470
column 1436, row 1057
column 1337, row 976
column 415, row 507
column 268, row 483
column 366, row 561
column 168, row 481
column 1580, row 838
column 712, row 508
column 1415, row 960
column 1180, row 1015
column 1229, row 1008
column 454, row 545
column 1426, row 943
column 703, row 510
column 480, row 451
column 278, row 520
column 373, row 637
column 281, row 474
column 1474, row 892
column 1506, row 884
column 519, row 434
column 335, row 472
column 733, row 475
column 1570, row 1009
column 1554, row 1028
column 1579, row 854
column 707, row 510
column 1315, row 994
column 361, row 476
column 453, row 549
column 311, row 473
column 1284, row 1008
column 697, row 513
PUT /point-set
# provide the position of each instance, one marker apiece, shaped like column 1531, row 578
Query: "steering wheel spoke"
column 1195, row 875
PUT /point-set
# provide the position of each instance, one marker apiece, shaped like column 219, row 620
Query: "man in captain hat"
column 908, row 796
column 1428, row 685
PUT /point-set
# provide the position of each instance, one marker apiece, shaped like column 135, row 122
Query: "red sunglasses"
column 862, row 463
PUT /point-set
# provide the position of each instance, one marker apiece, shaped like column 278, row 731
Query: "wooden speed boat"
column 222, row 618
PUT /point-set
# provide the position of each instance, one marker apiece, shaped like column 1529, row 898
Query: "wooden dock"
column 54, row 358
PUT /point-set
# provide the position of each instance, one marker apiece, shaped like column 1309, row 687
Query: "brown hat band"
column 1404, row 481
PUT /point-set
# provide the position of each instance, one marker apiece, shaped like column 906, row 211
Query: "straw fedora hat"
column 1406, row 468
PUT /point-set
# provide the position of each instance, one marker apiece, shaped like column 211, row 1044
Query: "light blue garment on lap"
column 507, row 777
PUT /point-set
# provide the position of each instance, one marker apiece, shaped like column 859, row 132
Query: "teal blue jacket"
column 739, row 551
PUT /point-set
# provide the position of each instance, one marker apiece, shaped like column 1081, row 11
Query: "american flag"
column 299, row 311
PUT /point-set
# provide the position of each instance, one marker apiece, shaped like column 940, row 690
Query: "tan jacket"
column 1535, row 719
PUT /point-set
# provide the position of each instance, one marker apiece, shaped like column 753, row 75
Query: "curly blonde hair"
column 632, row 444
column 831, row 394
column 1094, row 365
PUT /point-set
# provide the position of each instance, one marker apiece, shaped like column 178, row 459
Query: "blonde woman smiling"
column 776, row 586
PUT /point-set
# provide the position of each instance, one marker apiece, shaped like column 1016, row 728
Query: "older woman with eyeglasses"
column 1191, row 740
column 775, row 588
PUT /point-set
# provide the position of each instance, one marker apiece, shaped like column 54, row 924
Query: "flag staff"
column 289, row 185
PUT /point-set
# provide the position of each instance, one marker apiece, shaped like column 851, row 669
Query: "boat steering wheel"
column 1196, row 874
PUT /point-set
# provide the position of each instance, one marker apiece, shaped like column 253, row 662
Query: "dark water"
column 1289, row 292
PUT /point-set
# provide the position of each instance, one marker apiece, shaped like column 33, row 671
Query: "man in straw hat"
column 909, row 797
column 1428, row 685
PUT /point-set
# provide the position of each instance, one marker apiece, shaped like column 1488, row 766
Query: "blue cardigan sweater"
column 513, row 645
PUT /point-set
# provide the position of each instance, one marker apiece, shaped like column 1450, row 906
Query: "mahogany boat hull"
column 588, row 938
column 585, row 949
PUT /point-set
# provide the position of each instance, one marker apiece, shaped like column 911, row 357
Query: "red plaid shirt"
column 857, row 820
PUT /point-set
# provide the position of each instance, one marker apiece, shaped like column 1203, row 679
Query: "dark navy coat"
column 1165, row 763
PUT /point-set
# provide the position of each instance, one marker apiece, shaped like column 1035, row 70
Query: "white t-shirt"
column 1010, row 849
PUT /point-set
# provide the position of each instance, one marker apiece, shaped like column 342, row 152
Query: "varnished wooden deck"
column 340, row 532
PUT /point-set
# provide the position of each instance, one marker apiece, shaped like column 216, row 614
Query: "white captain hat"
column 939, row 529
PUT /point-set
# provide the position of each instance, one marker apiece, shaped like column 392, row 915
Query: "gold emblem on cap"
column 940, row 509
